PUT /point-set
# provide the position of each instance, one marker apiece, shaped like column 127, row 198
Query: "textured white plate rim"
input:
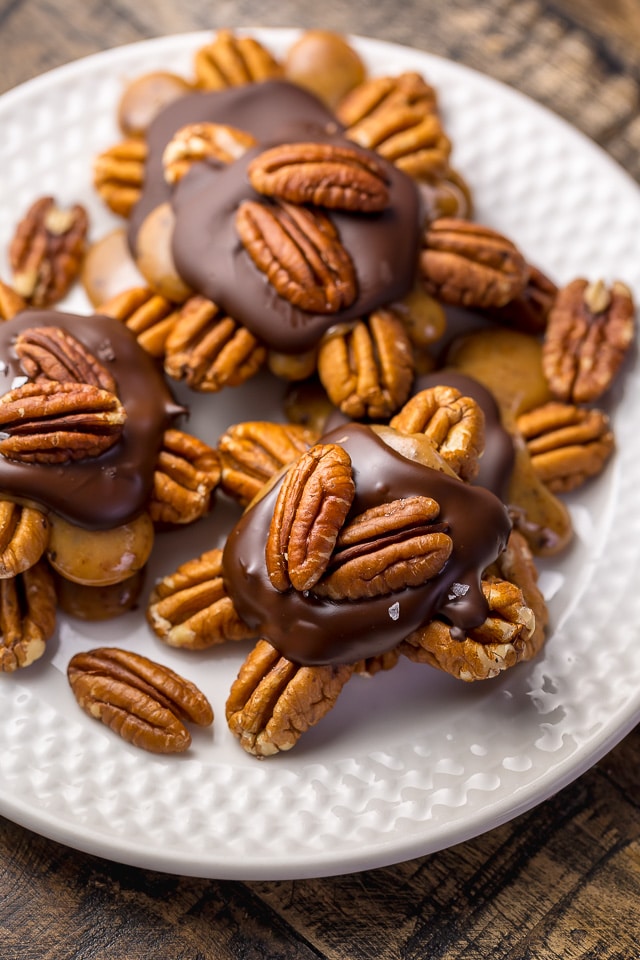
column 391, row 847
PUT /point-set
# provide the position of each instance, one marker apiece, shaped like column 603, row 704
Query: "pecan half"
column 209, row 350
column 516, row 564
column 324, row 174
column 146, row 703
column 230, row 61
column 387, row 548
column 149, row 316
column 274, row 701
column 191, row 608
column 118, row 174
column 50, row 353
column 51, row 422
column 187, row 472
column 24, row 535
column 503, row 640
column 589, row 332
column 311, row 507
column 203, row 141
column 529, row 311
column 367, row 368
column 253, row 452
column 46, row 251
column 377, row 96
column 11, row 302
column 300, row 252
column 454, row 423
column 467, row 264
column 27, row 616
column 567, row 444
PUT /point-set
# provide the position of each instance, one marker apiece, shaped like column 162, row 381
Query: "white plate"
column 411, row 761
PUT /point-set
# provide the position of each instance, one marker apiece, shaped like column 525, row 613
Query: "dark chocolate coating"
column 207, row 250
column 103, row 492
column 310, row 630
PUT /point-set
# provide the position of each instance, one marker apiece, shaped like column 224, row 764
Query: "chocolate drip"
column 109, row 490
column 206, row 248
column 309, row 630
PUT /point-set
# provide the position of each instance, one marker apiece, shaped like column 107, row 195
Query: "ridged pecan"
column 191, row 609
column 467, row 264
column 209, row 350
column 501, row 641
column 567, row 444
column 24, row 535
column 311, row 507
column 51, row 422
column 149, row 316
column 146, row 703
column 11, row 302
column 253, row 452
column 378, row 95
column 589, row 332
column 300, row 252
column 516, row 564
column 186, row 474
column 230, row 61
column 27, row 616
column 387, row 548
column 50, row 353
column 529, row 311
column 324, row 174
column 454, row 423
column 203, row 141
column 367, row 368
column 274, row 701
column 118, row 175
column 46, row 251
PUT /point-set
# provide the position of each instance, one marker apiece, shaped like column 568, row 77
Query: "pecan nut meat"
column 230, row 61
column 52, row 422
column 146, row 703
column 118, row 175
column 46, row 251
column 323, row 174
column 253, row 452
column 274, row 701
column 567, row 444
column 11, row 302
column 27, row 616
column 150, row 317
column 191, row 609
column 50, row 353
column 187, row 472
column 203, row 141
column 454, row 423
column 501, row 641
column 589, row 332
column 209, row 350
column 377, row 96
column 529, row 311
column 467, row 264
column 311, row 507
column 367, row 367
column 300, row 252
column 387, row 548
column 24, row 536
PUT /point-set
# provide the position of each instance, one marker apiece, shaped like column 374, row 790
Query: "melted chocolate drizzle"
column 207, row 250
column 102, row 492
column 310, row 630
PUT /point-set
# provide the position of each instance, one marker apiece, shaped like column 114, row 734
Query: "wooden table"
column 562, row 881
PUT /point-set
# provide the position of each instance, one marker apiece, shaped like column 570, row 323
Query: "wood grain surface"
column 557, row 883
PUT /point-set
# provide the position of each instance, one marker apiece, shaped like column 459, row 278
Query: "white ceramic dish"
column 411, row 761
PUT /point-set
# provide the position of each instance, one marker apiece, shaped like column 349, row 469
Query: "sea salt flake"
column 458, row 590
column 19, row 382
column 394, row 611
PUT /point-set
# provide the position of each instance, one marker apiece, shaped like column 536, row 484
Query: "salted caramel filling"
column 310, row 630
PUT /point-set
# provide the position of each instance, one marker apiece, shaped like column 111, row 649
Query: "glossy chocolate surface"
column 310, row 630
column 207, row 250
column 100, row 492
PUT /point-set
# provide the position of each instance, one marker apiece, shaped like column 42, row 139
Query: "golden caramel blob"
column 109, row 268
column 145, row 97
column 154, row 258
column 99, row 557
column 324, row 63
